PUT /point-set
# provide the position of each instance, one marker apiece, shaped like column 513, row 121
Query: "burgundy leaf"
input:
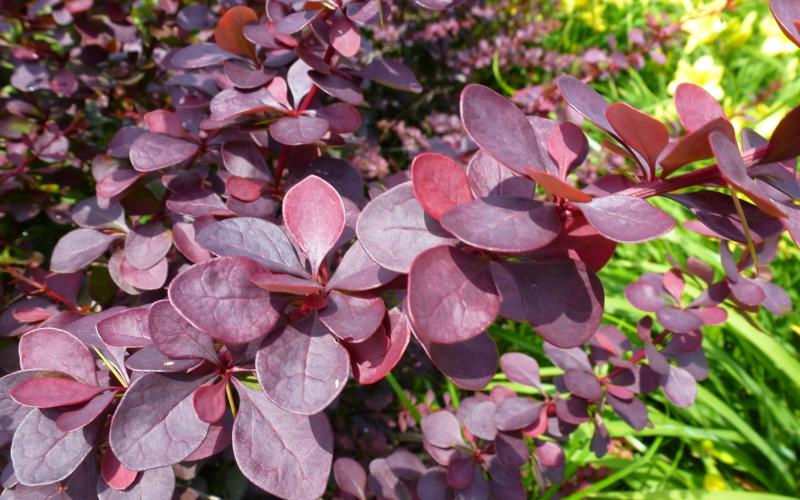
column 231, row 103
column 520, row 368
column 350, row 477
column 114, row 473
column 511, row 449
column 285, row 283
column 384, row 482
column 787, row 13
column 302, row 368
column 392, row 74
column 338, row 87
column 371, row 369
column 216, row 441
column 585, row 101
column 147, row 244
column 295, row 21
column 228, row 33
column 568, row 146
column 218, row 297
column 647, row 293
column 471, row 364
column 563, row 299
column 125, row 329
column 696, row 107
column 56, row 350
column 286, row 454
column 183, row 235
column 209, row 401
column 497, row 126
column 156, row 151
column 175, row 337
column 344, row 37
column 394, row 229
column 549, row 454
column 556, row 187
column 247, row 78
column 200, row 55
column 244, row 159
column 639, row 131
column 504, row 224
column 161, row 121
column 314, row 216
column 52, row 392
column 12, row 412
column 358, row 272
column 451, row 295
column 626, row 219
column 487, row 177
column 442, row 429
column 73, row 419
column 199, row 203
column 515, row 413
column 298, row 130
column 694, row 146
column 254, row 238
column 116, row 183
column 78, row 248
column 439, row 183
column 783, row 144
column 461, row 472
column 342, row 118
column 155, row 424
column 352, row 318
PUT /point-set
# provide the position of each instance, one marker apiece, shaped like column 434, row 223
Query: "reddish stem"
column 42, row 288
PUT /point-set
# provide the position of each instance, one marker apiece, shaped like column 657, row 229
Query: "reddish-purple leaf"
column 562, row 299
column 568, row 146
column 342, row 118
column 299, row 130
column 647, row 293
column 442, row 429
column 504, row 224
column 126, row 329
column 585, row 101
column 384, row 482
column 244, row 77
column 694, row 146
column 286, row 283
column 392, row 74
column 487, row 177
column 244, row 159
column 302, row 368
column 583, row 384
column 515, row 413
column 497, row 126
column 557, row 187
column 286, row 454
column 315, row 217
column 216, row 441
column 511, row 449
column 56, row 350
column 350, row 477
column 183, row 235
column 98, row 214
column 520, row 368
column 358, row 272
column 231, row 103
column 52, row 392
column 152, row 483
column 295, row 21
column 175, row 337
column 218, row 298
column 783, row 143
column 156, row 151
column 73, row 419
column 150, row 359
column 253, row 238
column 549, row 454
column 787, row 13
column 344, row 37
column 151, row 278
column 451, row 295
column 678, row 320
column 78, row 248
column 632, row 411
column 338, row 87
column 461, row 472
column 12, row 412
column 639, row 131
column 209, row 401
column 352, row 318
column 200, row 55
column 470, row 364
column 374, row 368
column 114, row 473
column 161, row 121
column 680, row 387
column 433, row 485
column 394, row 229
column 439, row 183
column 481, row 420
column 42, row 454
column 155, row 424
column 696, row 107
column 228, row 33
column 626, row 219
column 147, row 244
column 734, row 171
column 117, row 182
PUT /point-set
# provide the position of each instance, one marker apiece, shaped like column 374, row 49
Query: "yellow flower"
column 739, row 32
column 704, row 72
column 702, row 31
column 775, row 42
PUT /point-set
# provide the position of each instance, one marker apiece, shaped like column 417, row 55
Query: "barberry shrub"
column 232, row 273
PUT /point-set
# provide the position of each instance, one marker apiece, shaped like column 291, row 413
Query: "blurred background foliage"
column 742, row 437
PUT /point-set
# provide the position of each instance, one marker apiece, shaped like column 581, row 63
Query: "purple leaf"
column 302, row 368
column 632, row 411
column 285, row 454
column 568, row 146
column 392, row 74
column 787, row 13
column 126, row 329
column 254, row 238
column 515, row 413
column 782, row 144
column 150, row 484
column 114, row 473
column 201, row 55
column 439, row 183
column 299, row 130
column 694, row 146
column 558, row 188
column 352, row 318
column 147, row 244
column 116, row 183
column 218, row 298
column 98, row 214
column 680, row 387
column 183, row 235
column 585, row 101
column 314, row 216
column 78, row 418
column 244, row 159
column 286, row 283
column 480, row 420
column 678, row 320
column 56, row 350
column 626, row 219
column 209, row 401
column 461, row 472
column 151, row 278
column 520, row 368
column 155, row 424
column 394, row 229
column 156, row 151
column 504, row 224
column 216, row 441
column 549, row 454
column 175, row 337
column 385, row 483
column 371, row 369
column 501, row 129
column 78, row 248
column 358, row 272
column 696, row 107
column 639, row 131
column 563, row 299
column 487, row 177
column 295, row 21
column 52, row 392
column 247, row 78
column 231, row 103
column 647, row 293
column 511, row 449
column 150, row 359
column 451, row 295
column 583, row 384
column 433, row 485
column 471, row 364
column 42, row 454
column 442, row 429
column 338, row 87
column 350, row 477
column 568, row 359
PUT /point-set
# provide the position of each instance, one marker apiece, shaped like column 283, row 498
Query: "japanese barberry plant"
column 231, row 273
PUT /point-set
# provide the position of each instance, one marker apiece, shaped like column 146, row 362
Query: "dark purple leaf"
column 504, row 224
column 451, row 295
column 352, row 318
column 783, row 144
column 487, row 177
column 373, row 368
column 285, row 454
column 126, row 329
column 632, row 411
column 78, row 418
column 461, row 472
column 254, row 238
column 511, row 449
column 147, row 244
column 78, row 248
column 201, row 55
column 626, row 219
column 244, row 159
column 156, row 151
column 520, row 368
column 218, row 297
column 247, row 78
column 394, row 229
column 117, row 182
column 433, row 485
column 358, row 272
column 338, row 87
column 52, row 392
column 583, row 384
column 383, row 481
column 393, row 74
column 52, row 349
column 568, row 359
column 295, row 21
column 175, row 337
column 568, row 147
column 515, row 413
column 787, row 13
column 585, row 101
column 151, row 278
column 155, row 424
column 442, row 429
column 302, row 368
column 501, row 129
column 471, row 364
column 680, row 387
